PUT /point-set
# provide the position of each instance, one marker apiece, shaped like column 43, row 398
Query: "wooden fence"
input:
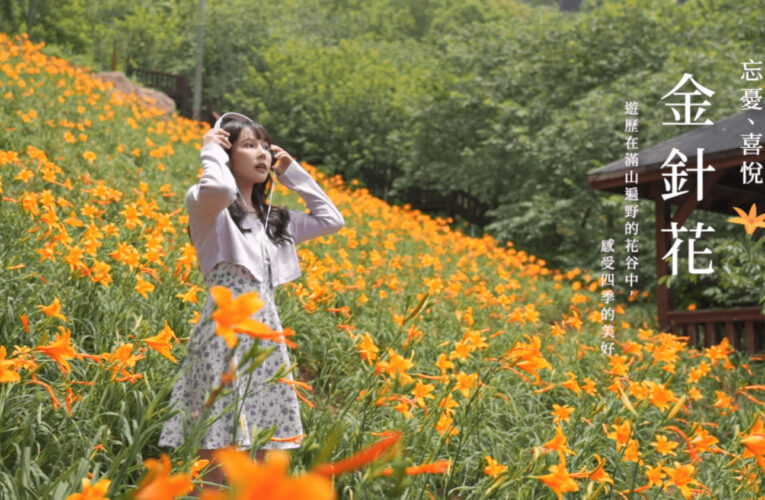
column 744, row 327
column 175, row 86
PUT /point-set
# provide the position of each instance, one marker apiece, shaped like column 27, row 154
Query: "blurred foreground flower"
column 755, row 443
column 91, row 492
column 159, row 484
column 233, row 315
column 250, row 480
column 437, row 467
column 361, row 458
column 8, row 368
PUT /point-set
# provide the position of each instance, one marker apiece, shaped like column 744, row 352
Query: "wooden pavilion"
column 724, row 188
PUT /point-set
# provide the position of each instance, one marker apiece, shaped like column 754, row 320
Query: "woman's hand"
column 216, row 136
column 282, row 159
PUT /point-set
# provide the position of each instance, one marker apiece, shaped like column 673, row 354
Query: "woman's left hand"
column 282, row 159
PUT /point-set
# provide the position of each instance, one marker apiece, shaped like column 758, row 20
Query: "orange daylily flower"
column 90, row 156
column 725, row 402
column 621, row 433
column 751, row 221
column 159, row 483
column 361, row 458
column 561, row 412
column 190, row 295
column 234, row 315
column 122, row 359
column 465, row 382
column 161, row 342
column 664, row 445
column 571, row 383
column 69, row 399
column 422, row 391
column 655, row 475
column 396, row 366
column 447, row 403
column 60, row 349
column 437, row 467
column 92, row 492
column 598, row 474
column 367, row 348
column 197, row 466
column 8, row 368
column 720, row 351
column 681, row 477
column 494, row 468
column 143, row 287
column 755, row 443
column 632, row 452
column 660, row 397
column 404, row 406
column 528, row 356
column 558, row 443
column 559, row 479
column 444, row 364
column 270, row 479
column 54, row 309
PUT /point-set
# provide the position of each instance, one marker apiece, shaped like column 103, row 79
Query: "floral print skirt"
column 257, row 403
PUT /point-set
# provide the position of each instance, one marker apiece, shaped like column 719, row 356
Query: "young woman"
column 244, row 244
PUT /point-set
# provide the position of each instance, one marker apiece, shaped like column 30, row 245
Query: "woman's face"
column 250, row 158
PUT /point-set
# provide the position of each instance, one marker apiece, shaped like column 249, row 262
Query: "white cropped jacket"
column 216, row 237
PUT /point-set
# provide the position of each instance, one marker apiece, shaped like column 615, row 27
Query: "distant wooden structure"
column 175, row 86
column 722, row 144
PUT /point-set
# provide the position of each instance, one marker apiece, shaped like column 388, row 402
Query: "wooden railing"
column 744, row 327
column 175, row 86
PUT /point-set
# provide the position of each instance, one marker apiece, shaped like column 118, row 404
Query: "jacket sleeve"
column 324, row 217
column 216, row 189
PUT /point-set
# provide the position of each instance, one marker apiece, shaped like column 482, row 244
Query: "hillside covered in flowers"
column 485, row 364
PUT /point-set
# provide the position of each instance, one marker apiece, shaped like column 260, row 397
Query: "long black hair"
column 279, row 217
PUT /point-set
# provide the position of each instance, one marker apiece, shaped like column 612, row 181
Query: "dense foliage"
column 510, row 102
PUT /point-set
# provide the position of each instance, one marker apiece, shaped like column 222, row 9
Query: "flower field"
column 433, row 365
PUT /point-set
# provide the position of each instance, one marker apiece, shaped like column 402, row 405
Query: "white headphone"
column 273, row 178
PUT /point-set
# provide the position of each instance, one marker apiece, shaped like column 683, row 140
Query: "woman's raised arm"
column 324, row 218
column 216, row 189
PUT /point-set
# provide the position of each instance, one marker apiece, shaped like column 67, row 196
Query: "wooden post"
column 200, row 52
column 662, row 221
column 750, row 342
column 693, row 338
column 182, row 86
column 710, row 334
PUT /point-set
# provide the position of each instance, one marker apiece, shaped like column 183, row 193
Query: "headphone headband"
column 273, row 178
column 233, row 115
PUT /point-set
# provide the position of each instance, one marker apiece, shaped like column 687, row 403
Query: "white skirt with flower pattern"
column 260, row 404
